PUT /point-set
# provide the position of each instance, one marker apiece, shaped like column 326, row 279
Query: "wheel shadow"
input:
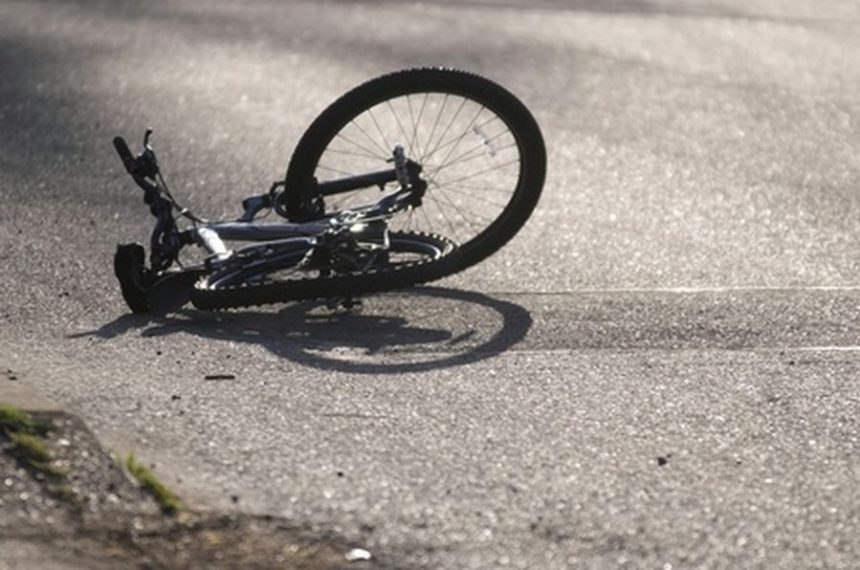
column 423, row 329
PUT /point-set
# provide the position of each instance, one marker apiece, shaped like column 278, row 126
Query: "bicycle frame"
column 167, row 240
column 359, row 222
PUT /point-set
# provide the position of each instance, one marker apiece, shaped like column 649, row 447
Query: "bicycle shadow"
column 422, row 329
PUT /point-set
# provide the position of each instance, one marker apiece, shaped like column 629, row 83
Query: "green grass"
column 14, row 420
column 27, row 446
column 67, row 494
column 165, row 498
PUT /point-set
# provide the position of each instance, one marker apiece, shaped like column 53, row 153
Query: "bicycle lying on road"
column 405, row 179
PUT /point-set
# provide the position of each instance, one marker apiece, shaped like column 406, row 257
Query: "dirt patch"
column 80, row 509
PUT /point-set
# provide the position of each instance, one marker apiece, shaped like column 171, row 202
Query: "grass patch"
column 29, row 448
column 66, row 494
column 25, row 442
column 31, row 451
column 166, row 499
column 14, row 420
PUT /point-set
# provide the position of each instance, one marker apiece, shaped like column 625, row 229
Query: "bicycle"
column 405, row 179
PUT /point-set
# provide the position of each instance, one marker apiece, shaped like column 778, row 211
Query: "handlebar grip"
column 124, row 153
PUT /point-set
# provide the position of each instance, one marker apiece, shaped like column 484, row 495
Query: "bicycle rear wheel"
column 287, row 275
column 480, row 150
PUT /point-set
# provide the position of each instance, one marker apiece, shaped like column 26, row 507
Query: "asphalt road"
column 660, row 371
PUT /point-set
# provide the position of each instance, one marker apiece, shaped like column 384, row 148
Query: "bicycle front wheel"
column 479, row 149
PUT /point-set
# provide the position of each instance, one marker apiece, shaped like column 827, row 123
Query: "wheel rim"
column 404, row 250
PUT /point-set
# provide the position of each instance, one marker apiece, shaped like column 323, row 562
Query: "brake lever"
column 147, row 163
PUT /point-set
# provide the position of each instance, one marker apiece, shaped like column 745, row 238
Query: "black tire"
column 261, row 285
column 502, row 149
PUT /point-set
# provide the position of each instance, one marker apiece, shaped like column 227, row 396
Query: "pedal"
column 134, row 278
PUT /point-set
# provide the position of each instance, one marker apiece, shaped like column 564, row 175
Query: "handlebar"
column 124, row 154
column 144, row 168
column 165, row 241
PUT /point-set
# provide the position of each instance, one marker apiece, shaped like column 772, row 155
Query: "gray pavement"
column 659, row 371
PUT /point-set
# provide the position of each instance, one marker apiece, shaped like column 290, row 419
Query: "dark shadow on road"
column 424, row 329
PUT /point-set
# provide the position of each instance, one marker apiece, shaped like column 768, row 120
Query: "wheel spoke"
column 334, row 170
column 474, row 153
column 482, row 172
column 381, row 132
column 435, row 126
column 447, row 128
column 352, row 153
column 400, row 126
column 358, row 145
column 418, row 122
column 371, row 139
column 459, row 139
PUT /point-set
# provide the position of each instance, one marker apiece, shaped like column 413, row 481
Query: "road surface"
column 660, row 371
